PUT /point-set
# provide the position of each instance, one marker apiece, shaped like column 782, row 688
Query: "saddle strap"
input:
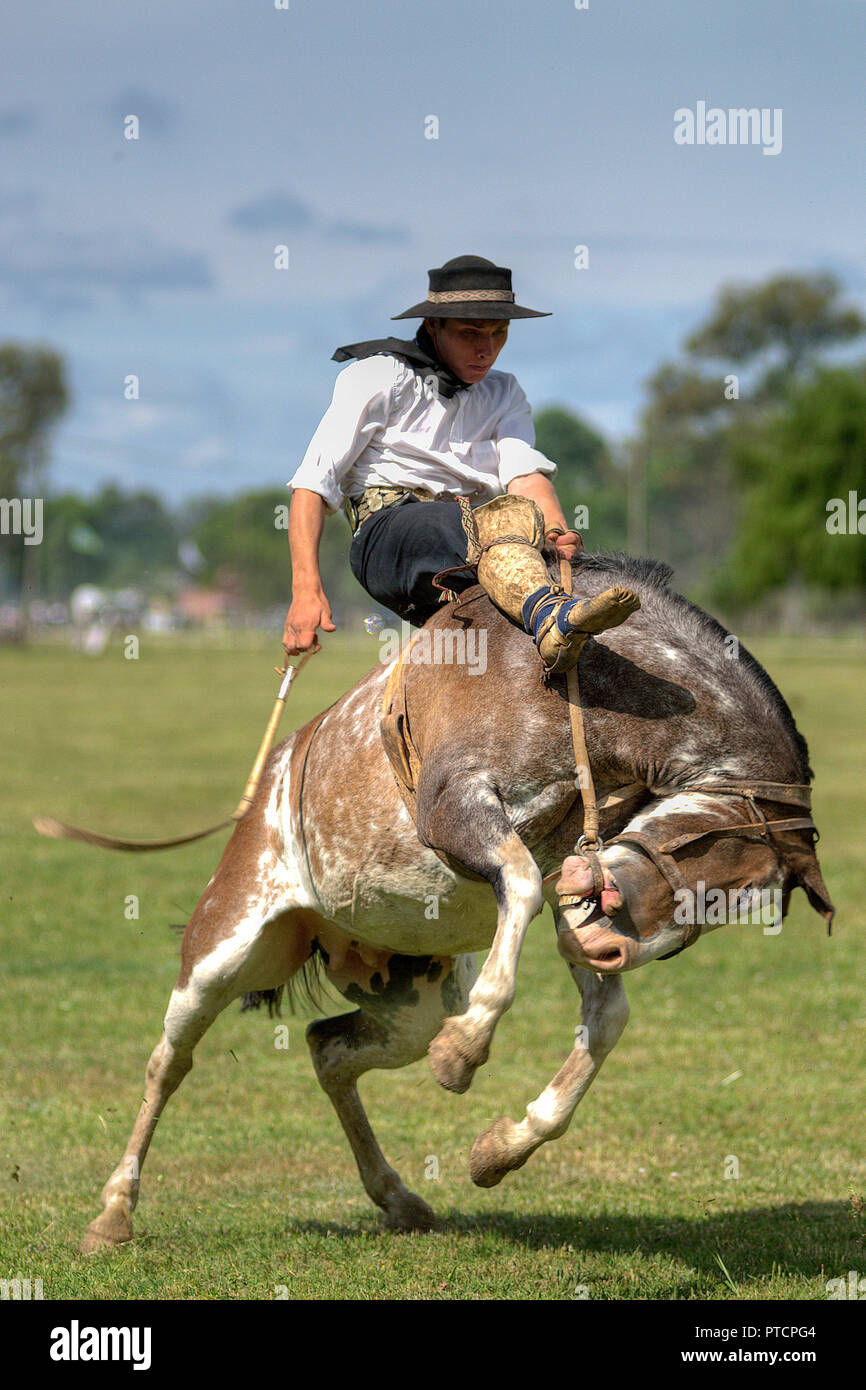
column 396, row 734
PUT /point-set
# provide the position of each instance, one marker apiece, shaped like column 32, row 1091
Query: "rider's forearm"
column 540, row 489
column 306, row 521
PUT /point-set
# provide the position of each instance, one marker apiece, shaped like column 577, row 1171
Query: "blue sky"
column 305, row 126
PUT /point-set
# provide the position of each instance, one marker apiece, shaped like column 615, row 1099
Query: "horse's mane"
column 674, row 619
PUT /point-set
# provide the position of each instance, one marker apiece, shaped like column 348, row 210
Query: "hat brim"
column 483, row 309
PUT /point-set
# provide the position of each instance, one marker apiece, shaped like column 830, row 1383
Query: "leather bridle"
column 754, row 792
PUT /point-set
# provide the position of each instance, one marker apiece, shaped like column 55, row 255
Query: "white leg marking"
column 506, row 1146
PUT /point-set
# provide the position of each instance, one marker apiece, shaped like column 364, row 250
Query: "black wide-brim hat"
column 470, row 288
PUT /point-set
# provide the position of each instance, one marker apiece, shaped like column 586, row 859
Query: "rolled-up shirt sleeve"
column 514, row 436
column 359, row 409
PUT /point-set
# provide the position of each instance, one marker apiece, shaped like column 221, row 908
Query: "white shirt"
column 387, row 426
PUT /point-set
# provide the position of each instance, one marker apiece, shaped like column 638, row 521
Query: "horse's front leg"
column 465, row 818
column 505, row 1145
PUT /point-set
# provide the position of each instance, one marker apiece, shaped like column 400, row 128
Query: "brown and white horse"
column 702, row 781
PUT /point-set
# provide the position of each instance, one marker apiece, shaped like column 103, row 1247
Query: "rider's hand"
column 308, row 612
column 568, row 543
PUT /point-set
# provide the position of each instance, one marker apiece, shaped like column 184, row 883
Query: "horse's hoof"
column 448, row 1061
column 410, row 1214
column 110, row 1229
column 493, row 1154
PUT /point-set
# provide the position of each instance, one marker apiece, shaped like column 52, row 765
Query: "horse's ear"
column 808, row 877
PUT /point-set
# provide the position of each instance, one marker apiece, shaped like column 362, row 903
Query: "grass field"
column 743, row 1056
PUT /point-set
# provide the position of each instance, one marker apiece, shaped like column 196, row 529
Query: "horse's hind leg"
column 255, row 955
column 169, row 1063
column 393, row 1027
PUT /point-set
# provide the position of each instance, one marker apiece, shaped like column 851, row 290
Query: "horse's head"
column 688, row 864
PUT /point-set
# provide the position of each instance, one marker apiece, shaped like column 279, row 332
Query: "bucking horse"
column 436, row 782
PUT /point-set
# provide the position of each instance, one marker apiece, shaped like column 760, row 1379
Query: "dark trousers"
column 397, row 551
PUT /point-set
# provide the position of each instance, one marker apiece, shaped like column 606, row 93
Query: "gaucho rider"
column 431, row 453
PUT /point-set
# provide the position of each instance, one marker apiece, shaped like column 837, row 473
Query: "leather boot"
column 510, row 534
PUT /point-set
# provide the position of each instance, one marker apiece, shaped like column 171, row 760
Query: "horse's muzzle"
column 585, row 936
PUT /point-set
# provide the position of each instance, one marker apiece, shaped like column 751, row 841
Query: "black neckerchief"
column 420, row 355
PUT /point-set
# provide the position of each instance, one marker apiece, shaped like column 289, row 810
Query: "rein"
column 589, row 843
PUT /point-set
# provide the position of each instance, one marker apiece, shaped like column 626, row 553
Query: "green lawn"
column 744, row 1054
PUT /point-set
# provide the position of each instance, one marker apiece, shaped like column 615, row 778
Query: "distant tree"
column 33, row 396
column 587, row 475
column 581, row 454
column 73, row 552
column 797, row 474
column 767, row 341
column 239, row 535
column 683, row 402
column 138, row 533
column 778, row 329
column 116, row 539
column 786, row 322
column 246, row 537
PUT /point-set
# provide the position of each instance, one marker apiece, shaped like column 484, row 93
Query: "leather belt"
column 375, row 499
